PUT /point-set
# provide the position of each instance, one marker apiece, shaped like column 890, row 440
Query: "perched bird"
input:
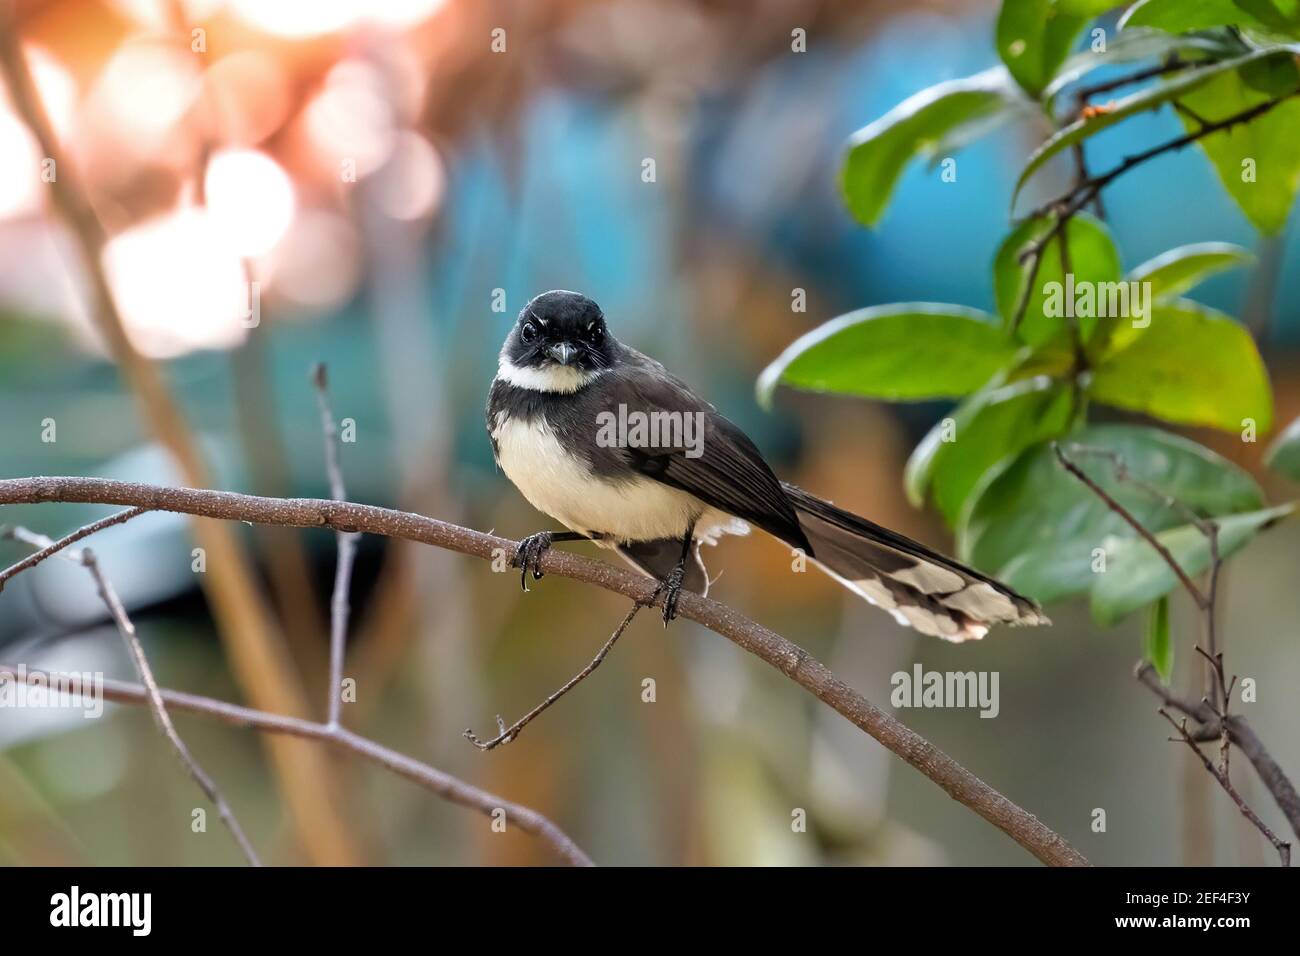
column 610, row 444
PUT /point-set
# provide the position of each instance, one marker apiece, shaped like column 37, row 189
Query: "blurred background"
column 381, row 186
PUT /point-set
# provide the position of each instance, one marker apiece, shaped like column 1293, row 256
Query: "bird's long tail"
column 920, row 587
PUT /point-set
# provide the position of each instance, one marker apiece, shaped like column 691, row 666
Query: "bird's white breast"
column 563, row 486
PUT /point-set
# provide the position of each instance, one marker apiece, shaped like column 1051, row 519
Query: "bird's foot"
column 671, row 588
column 528, row 556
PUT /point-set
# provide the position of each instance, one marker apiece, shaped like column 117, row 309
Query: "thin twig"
column 1082, row 176
column 54, row 547
column 507, row 734
column 1033, row 254
column 1133, row 523
column 347, row 549
column 792, row 660
column 1210, row 529
column 1200, row 710
column 86, row 558
column 1213, row 717
column 159, row 709
column 1122, row 473
column 1082, row 193
column 1283, row 848
column 431, row 778
column 1171, row 65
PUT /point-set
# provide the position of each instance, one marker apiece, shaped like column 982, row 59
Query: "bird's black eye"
column 596, row 334
column 529, row 332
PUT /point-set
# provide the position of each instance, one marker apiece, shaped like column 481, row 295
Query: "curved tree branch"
column 791, row 660
column 431, row 778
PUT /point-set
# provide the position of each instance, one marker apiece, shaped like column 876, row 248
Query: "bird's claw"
column 528, row 556
column 671, row 588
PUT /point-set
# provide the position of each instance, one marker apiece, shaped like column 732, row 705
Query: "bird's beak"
column 564, row 353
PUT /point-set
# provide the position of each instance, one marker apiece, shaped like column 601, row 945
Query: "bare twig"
column 1083, row 192
column 1283, row 848
column 1200, row 711
column 791, row 660
column 507, row 734
column 1122, row 473
column 126, row 628
column 1211, row 727
column 347, row 549
column 54, row 547
column 1213, row 717
column 432, row 779
column 1172, row 65
column 1133, row 523
column 159, row 709
column 1033, row 254
column 1210, row 529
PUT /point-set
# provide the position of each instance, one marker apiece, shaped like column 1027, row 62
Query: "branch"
column 432, row 779
column 1215, row 721
column 1133, row 523
column 49, row 548
column 507, row 734
column 770, row 647
column 1243, row 735
column 1283, row 849
column 117, row 611
column 1171, row 65
column 1083, row 192
column 1210, row 530
column 347, row 549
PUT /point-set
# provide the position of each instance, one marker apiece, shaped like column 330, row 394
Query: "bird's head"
column 562, row 335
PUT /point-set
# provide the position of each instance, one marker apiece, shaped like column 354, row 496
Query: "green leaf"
column 1277, row 16
column 1166, row 277
column 1142, row 43
column 907, row 351
column 1092, row 257
column 920, row 126
column 1140, row 102
column 1193, row 366
column 1049, row 573
column 1136, row 574
column 1183, row 16
column 1157, row 648
column 1174, row 272
column 1035, row 526
column 989, row 426
column 1257, row 161
column 1034, row 37
column 1086, row 8
column 1283, row 456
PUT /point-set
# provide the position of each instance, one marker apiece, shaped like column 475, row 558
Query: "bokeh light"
column 249, row 198
column 178, row 284
column 411, row 183
column 20, row 159
column 351, row 120
column 143, row 92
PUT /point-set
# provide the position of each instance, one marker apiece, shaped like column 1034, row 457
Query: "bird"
column 621, row 452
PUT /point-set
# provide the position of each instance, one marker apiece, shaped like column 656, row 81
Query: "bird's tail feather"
column 920, row 587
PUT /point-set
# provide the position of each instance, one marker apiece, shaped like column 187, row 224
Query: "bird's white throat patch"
column 559, row 379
